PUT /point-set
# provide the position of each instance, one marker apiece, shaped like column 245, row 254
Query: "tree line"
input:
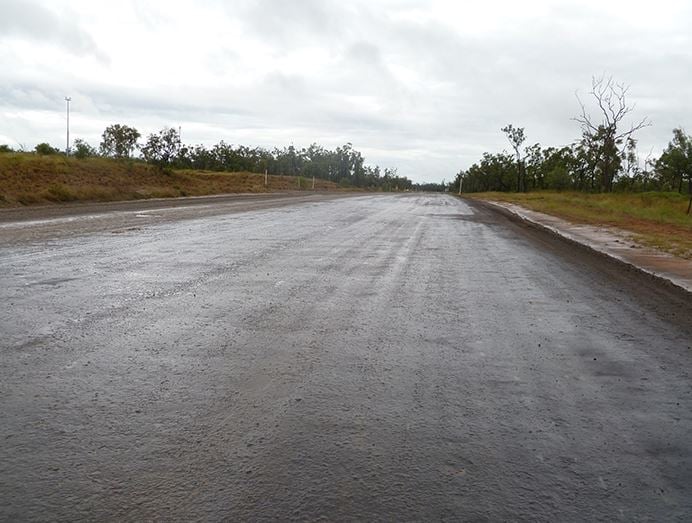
column 603, row 159
column 344, row 165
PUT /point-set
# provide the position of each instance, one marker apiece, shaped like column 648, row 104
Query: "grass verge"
column 28, row 179
column 655, row 219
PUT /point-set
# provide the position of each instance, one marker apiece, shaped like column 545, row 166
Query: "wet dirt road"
column 373, row 357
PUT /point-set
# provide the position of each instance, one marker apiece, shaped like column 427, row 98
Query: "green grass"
column 29, row 179
column 655, row 218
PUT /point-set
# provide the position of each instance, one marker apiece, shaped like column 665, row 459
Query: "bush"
column 4, row 148
column 46, row 149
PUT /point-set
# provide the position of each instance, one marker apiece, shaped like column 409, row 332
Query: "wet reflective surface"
column 375, row 357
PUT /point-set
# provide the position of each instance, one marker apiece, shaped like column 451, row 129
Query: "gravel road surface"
column 376, row 357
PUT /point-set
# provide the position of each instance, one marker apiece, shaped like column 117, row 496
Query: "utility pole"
column 67, row 147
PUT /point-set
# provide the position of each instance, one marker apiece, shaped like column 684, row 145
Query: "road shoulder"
column 614, row 243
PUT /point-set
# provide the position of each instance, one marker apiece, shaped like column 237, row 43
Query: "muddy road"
column 372, row 357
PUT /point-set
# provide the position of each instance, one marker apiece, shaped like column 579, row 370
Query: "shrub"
column 46, row 149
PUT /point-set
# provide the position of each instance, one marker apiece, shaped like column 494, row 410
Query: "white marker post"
column 67, row 146
column 266, row 178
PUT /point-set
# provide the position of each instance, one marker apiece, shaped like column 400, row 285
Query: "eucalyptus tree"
column 162, row 148
column 516, row 138
column 82, row 149
column 119, row 141
column 675, row 164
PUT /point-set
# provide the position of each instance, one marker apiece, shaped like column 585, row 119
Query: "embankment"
column 28, row 179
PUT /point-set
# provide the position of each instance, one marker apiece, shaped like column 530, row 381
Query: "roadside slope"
column 27, row 179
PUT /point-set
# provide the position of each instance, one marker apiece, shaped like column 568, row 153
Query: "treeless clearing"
column 27, row 179
column 656, row 219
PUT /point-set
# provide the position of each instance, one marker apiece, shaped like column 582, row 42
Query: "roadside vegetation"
column 29, row 179
column 122, row 167
column 604, row 159
column 600, row 179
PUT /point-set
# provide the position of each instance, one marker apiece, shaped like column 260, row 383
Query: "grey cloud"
column 31, row 20
column 289, row 22
column 33, row 96
column 366, row 53
column 528, row 75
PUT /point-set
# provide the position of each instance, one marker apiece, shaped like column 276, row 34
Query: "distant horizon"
column 420, row 86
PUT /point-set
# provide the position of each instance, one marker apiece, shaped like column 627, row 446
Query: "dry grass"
column 27, row 179
column 656, row 219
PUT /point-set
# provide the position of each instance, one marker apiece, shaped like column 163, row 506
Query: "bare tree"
column 607, row 138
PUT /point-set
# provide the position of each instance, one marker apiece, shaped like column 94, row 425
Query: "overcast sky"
column 424, row 86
